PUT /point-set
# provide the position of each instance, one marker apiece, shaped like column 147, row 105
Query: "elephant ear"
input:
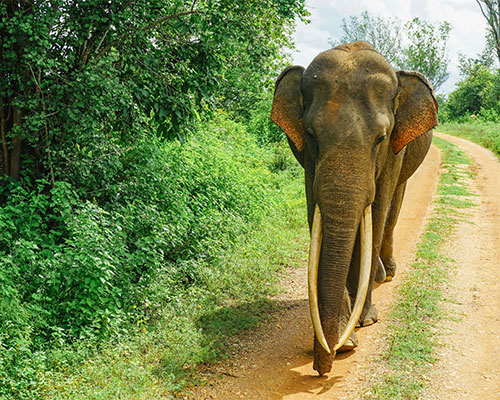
column 287, row 106
column 416, row 109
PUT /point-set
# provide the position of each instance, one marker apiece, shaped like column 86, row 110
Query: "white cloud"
column 467, row 36
column 422, row 8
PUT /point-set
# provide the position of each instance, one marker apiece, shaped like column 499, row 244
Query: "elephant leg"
column 369, row 313
column 380, row 275
column 380, row 210
column 387, row 246
column 345, row 313
column 370, row 316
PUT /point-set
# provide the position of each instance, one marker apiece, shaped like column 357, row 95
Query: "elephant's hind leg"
column 386, row 249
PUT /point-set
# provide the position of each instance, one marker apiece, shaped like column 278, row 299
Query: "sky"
column 467, row 36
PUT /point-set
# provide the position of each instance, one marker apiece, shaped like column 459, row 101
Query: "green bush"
column 76, row 269
column 82, row 262
column 489, row 115
column 476, row 98
column 469, row 96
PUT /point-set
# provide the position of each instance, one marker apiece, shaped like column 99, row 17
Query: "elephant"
column 360, row 129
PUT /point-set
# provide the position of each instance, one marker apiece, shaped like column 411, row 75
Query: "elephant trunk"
column 340, row 220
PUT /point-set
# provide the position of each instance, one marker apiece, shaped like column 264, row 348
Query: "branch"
column 102, row 40
column 490, row 18
column 84, row 48
column 46, row 125
column 192, row 5
column 85, row 53
column 145, row 28
column 3, row 137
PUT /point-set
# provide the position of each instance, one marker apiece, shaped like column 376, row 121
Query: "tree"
column 471, row 92
column 491, row 11
column 78, row 80
column 383, row 34
column 95, row 204
column 486, row 58
column 426, row 52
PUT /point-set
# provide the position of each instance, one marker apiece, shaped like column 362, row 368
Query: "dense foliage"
column 94, row 274
column 477, row 94
column 119, row 170
column 472, row 110
column 82, row 78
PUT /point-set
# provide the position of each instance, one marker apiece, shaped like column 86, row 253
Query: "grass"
column 487, row 134
column 413, row 331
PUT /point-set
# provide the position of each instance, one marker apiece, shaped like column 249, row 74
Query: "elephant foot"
column 380, row 275
column 350, row 344
column 389, row 266
column 370, row 318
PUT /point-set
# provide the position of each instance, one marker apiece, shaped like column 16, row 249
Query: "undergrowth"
column 122, row 294
column 413, row 331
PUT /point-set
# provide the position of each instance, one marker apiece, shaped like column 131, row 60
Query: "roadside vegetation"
column 472, row 110
column 146, row 202
column 484, row 133
column 243, row 204
column 413, row 333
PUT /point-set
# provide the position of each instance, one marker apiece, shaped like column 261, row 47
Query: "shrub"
column 76, row 268
column 489, row 114
column 471, row 91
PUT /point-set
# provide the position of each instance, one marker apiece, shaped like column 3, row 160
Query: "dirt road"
column 275, row 361
column 469, row 361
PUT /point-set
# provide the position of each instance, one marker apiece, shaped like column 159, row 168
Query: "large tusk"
column 312, row 277
column 364, row 275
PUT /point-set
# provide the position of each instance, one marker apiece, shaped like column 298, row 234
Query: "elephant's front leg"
column 387, row 247
column 380, row 208
column 369, row 313
column 345, row 313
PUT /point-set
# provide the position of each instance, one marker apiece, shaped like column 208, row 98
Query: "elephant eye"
column 380, row 139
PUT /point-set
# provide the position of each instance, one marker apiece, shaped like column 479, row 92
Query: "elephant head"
column 348, row 118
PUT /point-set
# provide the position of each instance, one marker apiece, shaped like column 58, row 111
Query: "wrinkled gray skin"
column 360, row 130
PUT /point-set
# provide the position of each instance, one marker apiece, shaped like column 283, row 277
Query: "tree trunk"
column 15, row 154
column 4, row 154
